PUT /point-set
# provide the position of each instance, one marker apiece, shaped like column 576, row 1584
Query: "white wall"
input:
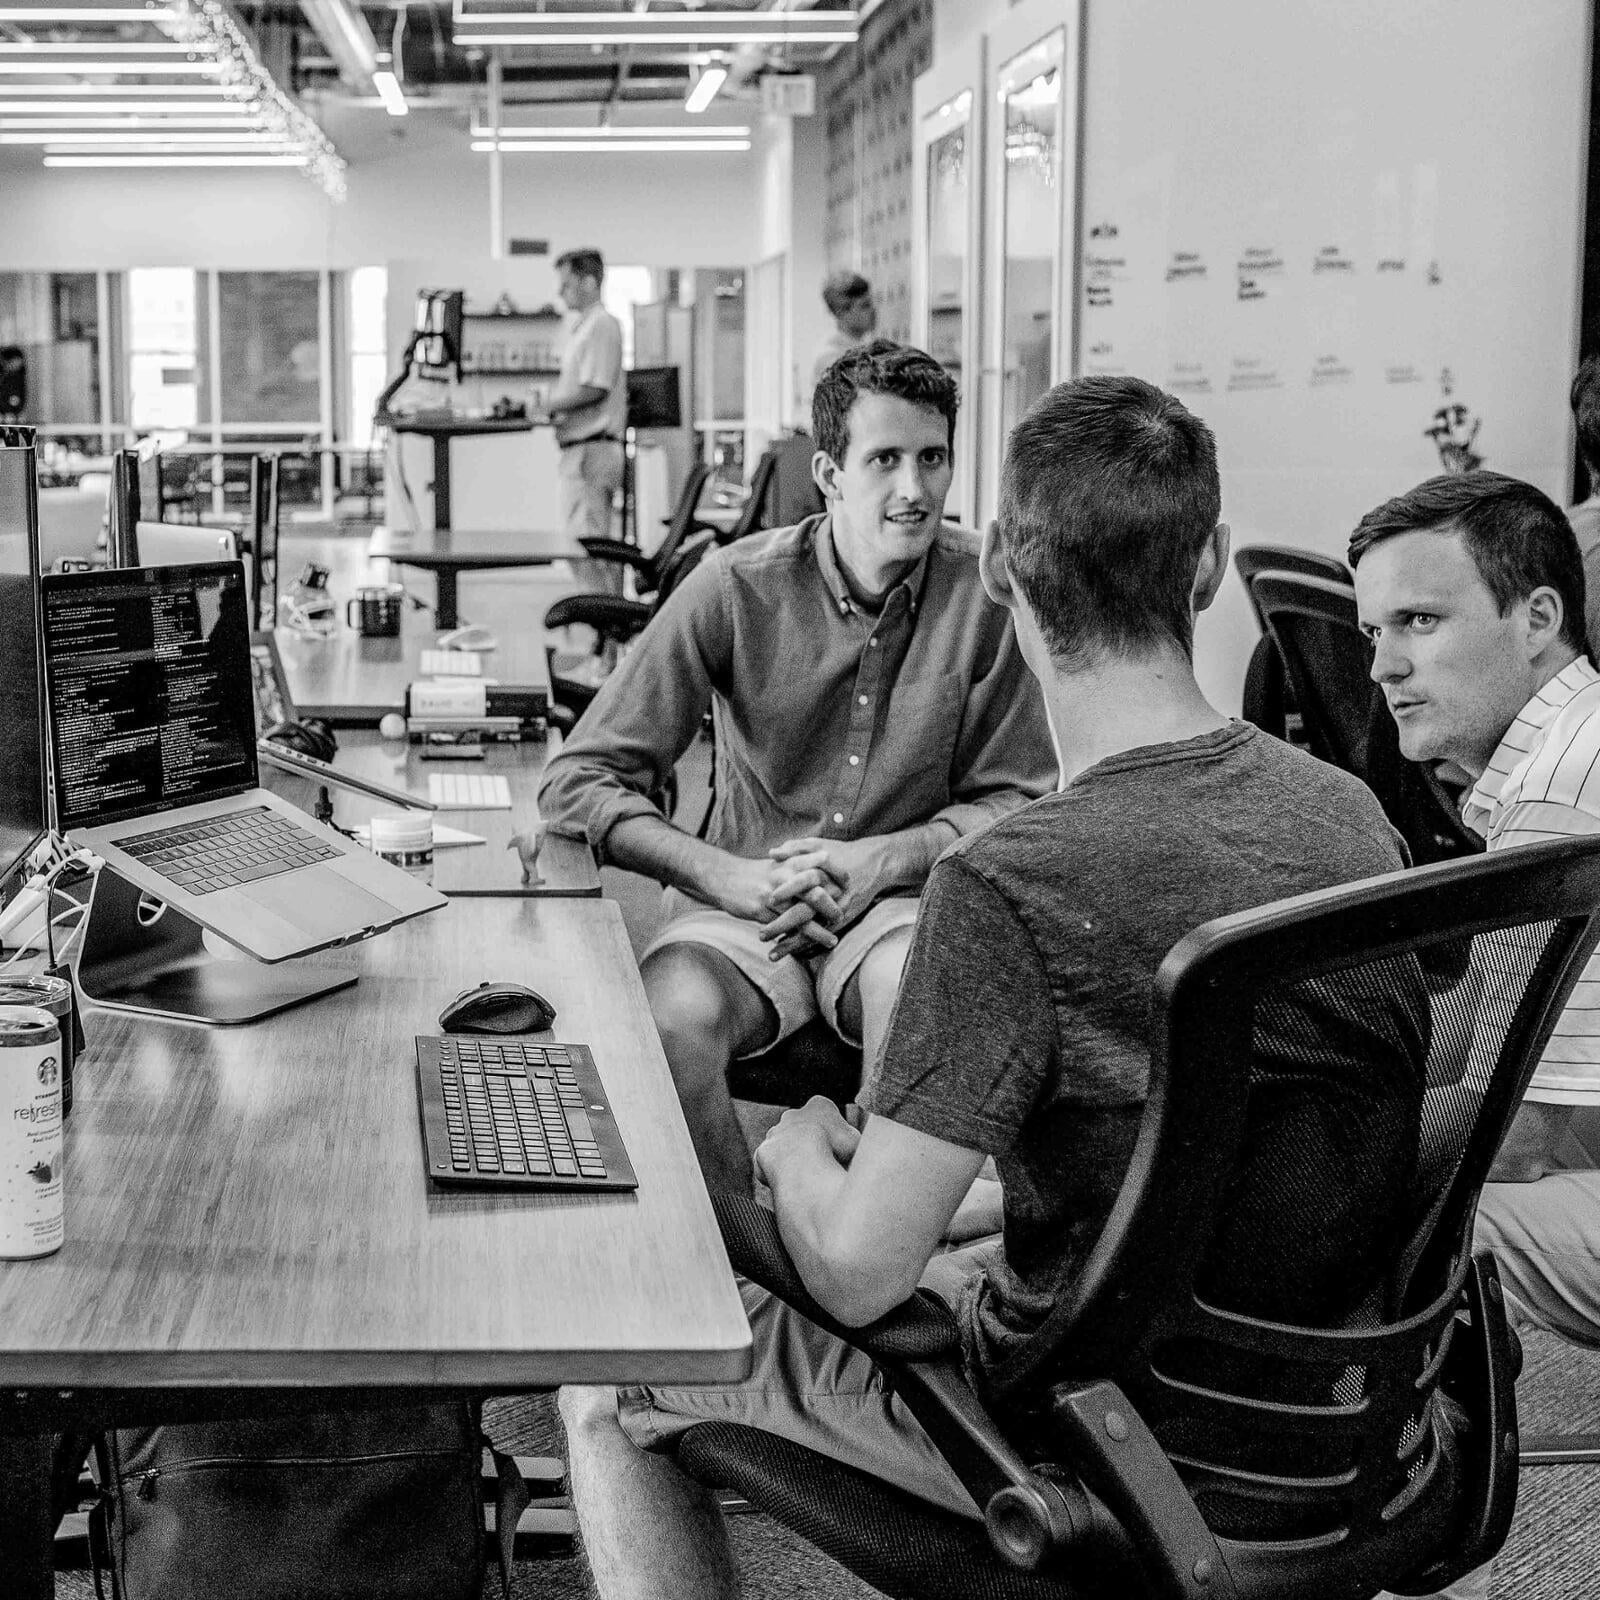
column 1460, row 128
column 413, row 189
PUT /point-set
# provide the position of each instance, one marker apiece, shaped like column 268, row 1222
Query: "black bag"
column 340, row 1505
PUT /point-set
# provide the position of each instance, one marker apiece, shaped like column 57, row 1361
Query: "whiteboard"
column 1318, row 222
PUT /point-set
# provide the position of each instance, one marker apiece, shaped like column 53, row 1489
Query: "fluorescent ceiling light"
column 221, row 127
column 569, row 146
column 390, row 92
column 115, row 137
column 152, row 91
column 36, row 113
column 67, row 12
column 477, row 24
column 143, row 69
column 705, row 88
column 715, row 130
column 175, row 161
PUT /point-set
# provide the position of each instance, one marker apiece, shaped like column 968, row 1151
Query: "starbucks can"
column 32, row 1213
column 54, row 995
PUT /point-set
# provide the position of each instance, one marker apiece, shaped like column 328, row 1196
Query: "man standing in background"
column 1585, row 516
column 589, row 404
column 848, row 297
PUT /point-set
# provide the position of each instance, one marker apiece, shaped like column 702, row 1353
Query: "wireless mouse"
column 498, row 1008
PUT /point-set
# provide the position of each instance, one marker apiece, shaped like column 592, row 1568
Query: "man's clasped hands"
column 805, row 891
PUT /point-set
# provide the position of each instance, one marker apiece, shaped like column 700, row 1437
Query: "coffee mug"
column 376, row 612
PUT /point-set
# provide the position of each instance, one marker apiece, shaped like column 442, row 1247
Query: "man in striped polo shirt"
column 1471, row 588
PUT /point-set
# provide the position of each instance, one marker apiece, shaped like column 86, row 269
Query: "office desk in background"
column 565, row 866
column 448, row 552
column 247, row 1214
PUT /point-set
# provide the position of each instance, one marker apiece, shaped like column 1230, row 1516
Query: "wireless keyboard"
column 511, row 1111
column 469, row 791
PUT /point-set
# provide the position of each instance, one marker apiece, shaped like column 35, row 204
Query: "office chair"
column 1169, row 1440
column 682, row 524
column 1313, row 624
column 758, row 509
column 1268, row 700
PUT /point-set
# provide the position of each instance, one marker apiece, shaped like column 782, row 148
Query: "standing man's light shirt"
column 593, row 359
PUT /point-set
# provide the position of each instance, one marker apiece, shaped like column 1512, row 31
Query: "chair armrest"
column 917, row 1329
column 605, row 613
column 630, row 555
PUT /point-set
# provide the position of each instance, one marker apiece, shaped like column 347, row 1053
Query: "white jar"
column 406, row 840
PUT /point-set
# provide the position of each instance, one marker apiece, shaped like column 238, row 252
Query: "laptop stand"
column 159, row 965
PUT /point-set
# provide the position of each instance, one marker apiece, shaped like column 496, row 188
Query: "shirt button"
column 862, row 699
column 838, row 816
column 855, row 761
column 873, row 641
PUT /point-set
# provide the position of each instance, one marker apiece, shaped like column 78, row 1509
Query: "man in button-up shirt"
column 1472, row 589
column 870, row 707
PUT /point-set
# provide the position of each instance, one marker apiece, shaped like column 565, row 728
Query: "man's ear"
column 993, row 569
column 1212, row 568
column 1546, row 615
column 825, row 474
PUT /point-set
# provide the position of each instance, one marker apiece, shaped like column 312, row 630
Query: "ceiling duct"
column 348, row 40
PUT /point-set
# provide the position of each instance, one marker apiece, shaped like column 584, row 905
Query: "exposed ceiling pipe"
column 348, row 40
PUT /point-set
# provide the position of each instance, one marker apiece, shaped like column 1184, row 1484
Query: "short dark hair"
column 1108, row 494
column 586, row 263
column 841, row 290
column 1518, row 537
column 1586, row 414
column 880, row 366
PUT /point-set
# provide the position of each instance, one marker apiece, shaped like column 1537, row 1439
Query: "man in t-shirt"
column 589, row 404
column 1023, row 1024
column 1472, row 589
column 848, row 297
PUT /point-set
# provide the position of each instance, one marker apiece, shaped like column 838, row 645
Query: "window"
column 369, row 295
column 162, row 348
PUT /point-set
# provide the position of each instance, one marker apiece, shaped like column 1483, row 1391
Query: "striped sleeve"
column 1556, row 797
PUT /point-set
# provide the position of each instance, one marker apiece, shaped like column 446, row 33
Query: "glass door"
column 946, row 223
column 1032, row 163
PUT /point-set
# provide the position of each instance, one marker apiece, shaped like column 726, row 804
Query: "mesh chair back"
column 683, row 521
column 1277, row 1286
column 1250, row 559
column 757, row 512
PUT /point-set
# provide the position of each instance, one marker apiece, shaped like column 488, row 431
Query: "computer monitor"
column 265, row 511
column 152, row 506
column 438, row 325
column 181, row 544
column 122, row 519
column 22, row 790
column 653, row 398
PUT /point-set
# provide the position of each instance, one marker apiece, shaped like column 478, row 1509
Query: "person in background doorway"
column 588, row 405
column 848, row 297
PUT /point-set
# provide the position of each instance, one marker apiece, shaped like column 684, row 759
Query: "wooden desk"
column 565, row 866
column 246, row 1209
column 448, row 552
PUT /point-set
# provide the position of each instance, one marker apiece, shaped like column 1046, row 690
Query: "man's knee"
column 869, row 996
column 587, row 1409
column 704, row 1009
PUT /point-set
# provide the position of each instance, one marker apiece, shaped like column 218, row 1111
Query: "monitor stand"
column 162, row 967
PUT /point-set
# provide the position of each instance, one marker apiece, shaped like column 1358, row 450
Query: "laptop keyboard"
column 219, row 852
column 469, row 791
column 510, row 1111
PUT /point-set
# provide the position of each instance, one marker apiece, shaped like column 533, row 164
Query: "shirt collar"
column 1525, row 733
column 828, row 560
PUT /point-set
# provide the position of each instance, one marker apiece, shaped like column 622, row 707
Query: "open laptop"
column 153, row 737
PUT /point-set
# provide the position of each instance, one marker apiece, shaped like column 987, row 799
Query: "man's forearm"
column 576, row 398
column 908, row 856
column 807, row 1187
column 652, row 846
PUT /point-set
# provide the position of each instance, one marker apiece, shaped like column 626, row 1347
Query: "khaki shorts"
column 798, row 990
column 813, row 1389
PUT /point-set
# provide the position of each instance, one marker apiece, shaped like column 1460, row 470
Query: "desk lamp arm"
column 381, row 414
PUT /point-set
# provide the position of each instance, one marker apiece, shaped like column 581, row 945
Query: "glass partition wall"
column 1032, row 164
column 947, row 215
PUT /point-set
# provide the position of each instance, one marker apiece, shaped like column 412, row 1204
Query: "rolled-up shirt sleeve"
column 1004, row 755
column 645, row 715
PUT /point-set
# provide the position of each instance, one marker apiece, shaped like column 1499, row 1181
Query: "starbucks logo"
column 49, row 1072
